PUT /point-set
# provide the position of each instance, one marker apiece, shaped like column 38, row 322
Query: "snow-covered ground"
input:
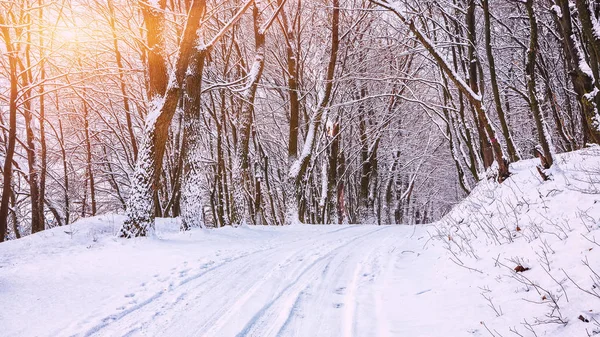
column 452, row 278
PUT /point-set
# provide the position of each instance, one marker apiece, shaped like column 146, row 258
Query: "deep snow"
column 302, row 280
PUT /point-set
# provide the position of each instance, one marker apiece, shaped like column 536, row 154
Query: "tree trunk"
column 583, row 80
column 512, row 151
column 65, row 170
column 154, row 17
column 122, row 85
column 292, row 49
column 191, row 202
column 485, row 146
column 332, row 176
column 37, row 224
column 140, row 212
column 42, row 120
column 88, row 148
column 247, row 116
column 531, row 84
column 300, row 166
column 12, row 129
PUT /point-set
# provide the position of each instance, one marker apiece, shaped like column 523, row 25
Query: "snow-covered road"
column 251, row 281
column 267, row 291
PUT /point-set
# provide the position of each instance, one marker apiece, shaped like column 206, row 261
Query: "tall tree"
column 512, row 151
column 299, row 167
column 531, row 84
column 140, row 212
column 12, row 124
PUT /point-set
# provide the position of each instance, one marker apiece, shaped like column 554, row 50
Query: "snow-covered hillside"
column 548, row 228
column 452, row 278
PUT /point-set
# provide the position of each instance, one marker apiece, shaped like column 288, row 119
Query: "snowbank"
column 533, row 247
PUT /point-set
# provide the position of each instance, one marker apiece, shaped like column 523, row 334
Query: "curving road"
column 296, row 281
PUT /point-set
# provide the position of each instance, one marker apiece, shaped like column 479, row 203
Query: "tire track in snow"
column 348, row 325
column 226, row 311
column 367, row 289
column 173, row 285
column 350, row 278
column 270, row 319
column 126, row 310
column 381, row 285
column 104, row 322
column 354, row 281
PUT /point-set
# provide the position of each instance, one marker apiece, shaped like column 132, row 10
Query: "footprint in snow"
column 338, row 305
column 340, row 291
column 130, row 295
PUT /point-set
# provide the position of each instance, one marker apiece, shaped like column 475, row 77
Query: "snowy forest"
column 223, row 168
column 271, row 112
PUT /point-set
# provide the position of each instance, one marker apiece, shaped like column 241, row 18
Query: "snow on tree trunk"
column 191, row 195
column 581, row 74
column 192, row 212
column 140, row 207
column 299, row 167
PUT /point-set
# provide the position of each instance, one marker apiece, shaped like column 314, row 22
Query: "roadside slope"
column 533, row 247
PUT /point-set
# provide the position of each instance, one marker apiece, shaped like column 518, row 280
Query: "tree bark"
column 191, row 203
column 140, row 212
column 247, row 115
column 332, row 176
column 485, row 146
column 583, row 81
column 42, row 120
column 531, row 84
column 154, row 18
column 192, row 212
column 300, row 165
column 37, row 223
column 122, row 85
column 12, row 128
column 89, row 164
column 511, row 148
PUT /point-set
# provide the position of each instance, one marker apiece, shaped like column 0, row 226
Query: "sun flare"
column 68, row 35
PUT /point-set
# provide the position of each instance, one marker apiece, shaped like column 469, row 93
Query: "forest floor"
column 452, row 278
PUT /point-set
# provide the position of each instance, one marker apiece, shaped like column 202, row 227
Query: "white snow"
column 582, row 63
column 297, row 280
column 550, row 227
column 302, row 280
column 155, row 109
column 307, row 148
column 595, row 22
column 556, row 9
